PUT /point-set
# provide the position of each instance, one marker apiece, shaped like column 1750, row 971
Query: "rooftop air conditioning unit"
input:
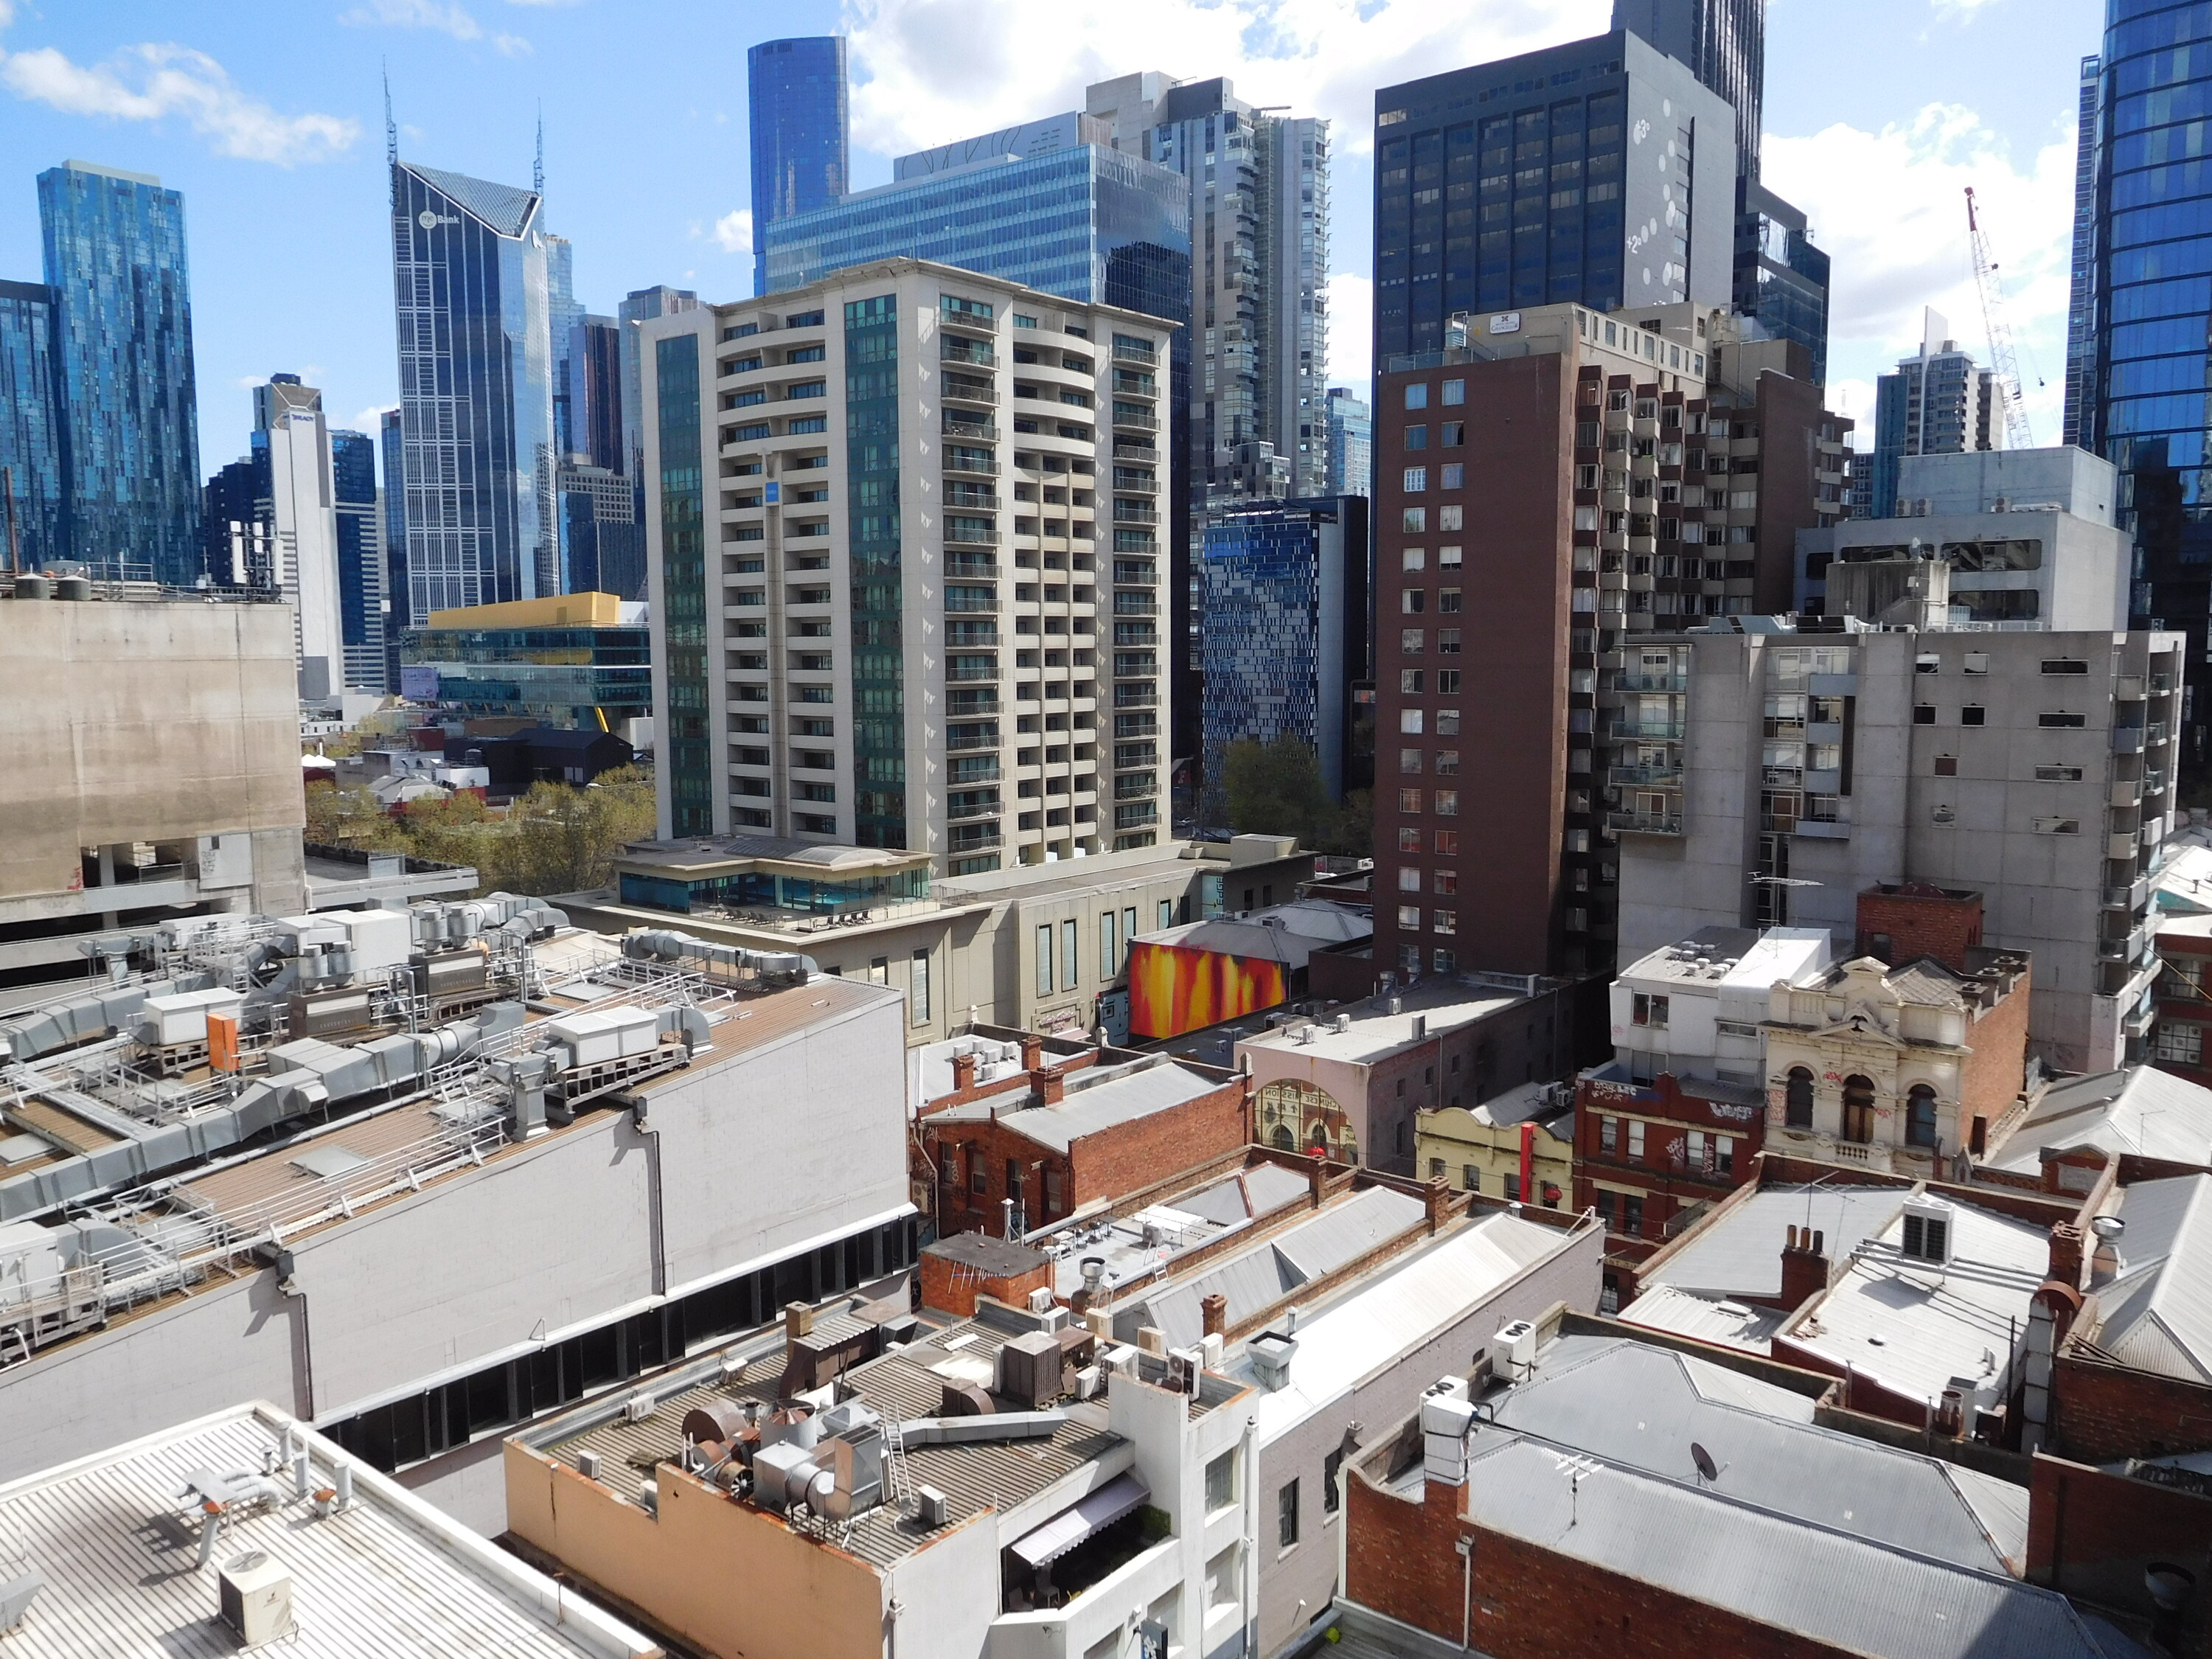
column 1928, row 1234
column 1517, row 1342
column 638, row 1408
column 256, row 1592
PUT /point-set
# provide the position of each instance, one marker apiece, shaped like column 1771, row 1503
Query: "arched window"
column 1920, row 1116
column 1799, row 1096
column 1858, row 1108
column 1283, row 1140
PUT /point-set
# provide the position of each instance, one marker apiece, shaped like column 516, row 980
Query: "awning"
column 1071, row 1527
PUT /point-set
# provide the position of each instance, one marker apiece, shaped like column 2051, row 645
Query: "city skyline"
column 1865, row 156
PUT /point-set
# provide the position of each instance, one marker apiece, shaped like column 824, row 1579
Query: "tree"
column 1276, row 789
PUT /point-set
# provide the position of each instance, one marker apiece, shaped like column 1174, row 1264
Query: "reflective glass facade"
column 476, row 391
column 1600, row 171
column 2139, row 308
column 1351, row 444
column 115, row 254
column 1724, row 44
column 361, row 559
column 1286, row 591
column 688, row 748
column 30, row 418
column 565, row 676
column 1781, row 278
column 391, row 444
column 872, row 502
column 796, row 95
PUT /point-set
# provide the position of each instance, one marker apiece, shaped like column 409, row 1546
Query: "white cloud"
column 1351, row 331
column 371, row 420
column 734, row 231
column 444, row 17
column 152, row 81
column 927, row 72
column 1889, row 208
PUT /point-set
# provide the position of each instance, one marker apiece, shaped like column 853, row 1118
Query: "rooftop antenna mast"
column 537, row 168
column 391, row 129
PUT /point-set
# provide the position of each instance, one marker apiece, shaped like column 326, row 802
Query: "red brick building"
column 1053, row 1139
column 1651, row 1157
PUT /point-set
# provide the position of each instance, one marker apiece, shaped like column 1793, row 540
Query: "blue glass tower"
column 31, row 429
column 392, row 443
column 476, row 391
column 1286, row 633
column 796, row 93
column 2139, row 364
column 115, row 256
column 361, row 559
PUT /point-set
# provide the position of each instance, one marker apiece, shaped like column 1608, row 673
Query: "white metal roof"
column 2156, row 1313
column 1738, row 1252
column 116, row 1539
column 1368, row 1331
column 2144, row 1111
column 1707, row 1318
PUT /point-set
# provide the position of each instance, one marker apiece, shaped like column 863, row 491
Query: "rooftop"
column 2155, row 1313
column 1741, row 958
column 1145, row 1243
column 1096, row 1099
column 1287, row 933
column 1363, row 1033
column 116, row 1538
column 2142, row 1110
column 1737, row 1251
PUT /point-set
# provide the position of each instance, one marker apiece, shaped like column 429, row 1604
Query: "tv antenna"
column 1575, row 1467
column 538, row 168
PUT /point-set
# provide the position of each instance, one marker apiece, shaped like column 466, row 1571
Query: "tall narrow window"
column 1110, row 959
column 1129, row 933
column 1044, row 959
column 918, row 997
column 1071, row 964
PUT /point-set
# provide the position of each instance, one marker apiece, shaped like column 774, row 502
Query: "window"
column 1129, row 933
column 2064, row 665
column 1928, row 664
column 1447, row 843
column 1167, row 913
column 2178, row 1043
column 1417, row 395
column 1603, row 1203
column 1044, row 957
column 1608, row 1136
column 1798, row 1098
column 1409, row 801
column 1417, row 480
column 2059, row 775
column 1648, row 1010
column 2057, row 826
column 1409, row 721
column 1436, row 1169
column 1924, row 713
column 1286, row 1514
column 879, row 971
column 1454, row 392
column 1920, row 1116
column 1329, row 1497
column 917, row 994
column 1977, row 662
column 1858, row 1108
column 1414, row 558
column 1635, row 1140
column 1512, row 1189
column 1409, row 684
column 1947, row 766
column 1221, row 1482
column 1417, row 437
column 1409, row 879
column 1447, row 686
column 1446, row 803
column 1110, row 960
column 2060, row 720
column 1409, row 917
column 1454, row 478
column 1413, row 520
column 1455, row 435
column 1632, row 1214
column 1451, row 518
column 1971, row 714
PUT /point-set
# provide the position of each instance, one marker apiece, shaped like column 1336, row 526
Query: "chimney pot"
column 1049, row 1087
column 1213, row 1311
column 797, row 1320
column 1032, row 1053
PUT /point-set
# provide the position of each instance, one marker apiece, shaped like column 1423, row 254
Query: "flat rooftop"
column 116, row 1538
column 1739, row 958
column 1145, row 1243
column 1373, row 1032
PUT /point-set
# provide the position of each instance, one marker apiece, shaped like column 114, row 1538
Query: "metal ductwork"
column 663, row 945
column 84, row 1018
column 969, row 1431
column 309, row 1076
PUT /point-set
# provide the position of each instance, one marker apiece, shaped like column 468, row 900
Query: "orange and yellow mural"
column 1173, row 990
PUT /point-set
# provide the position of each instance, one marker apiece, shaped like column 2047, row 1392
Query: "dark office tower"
column 115, row 255
column 1600, row 171
column 1781, row 278
column 2143, row 305
column 658, row 301
column 393, row 498
column 796, row 91
column 2081, row 326
column 595, row 391
column 476, row 391
column 361, row 559
column 30, row 428
column 1724, row 44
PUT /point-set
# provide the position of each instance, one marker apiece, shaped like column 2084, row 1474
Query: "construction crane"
column 2001, row 358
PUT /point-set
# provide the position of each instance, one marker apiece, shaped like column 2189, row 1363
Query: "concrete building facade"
column 879, row 646
column 2034, row 767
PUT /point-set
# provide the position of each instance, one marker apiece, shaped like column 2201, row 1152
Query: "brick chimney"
column 2067, row 1253
column 1317, row 1179
column 1032, row 1053
column 1213, row 1310
column 1049, row 1087
column 1804, row 1267
column 1903, row 922
column 964, row 1072
column 1436, row 1203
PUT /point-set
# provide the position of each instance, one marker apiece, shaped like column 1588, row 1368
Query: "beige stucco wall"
column 142, row 721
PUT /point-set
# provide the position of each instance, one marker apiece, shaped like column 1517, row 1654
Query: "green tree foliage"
column 555, row 839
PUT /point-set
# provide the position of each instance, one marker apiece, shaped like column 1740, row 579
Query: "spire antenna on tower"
column 391, row 130
column 538, row 170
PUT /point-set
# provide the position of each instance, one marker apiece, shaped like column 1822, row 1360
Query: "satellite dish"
column 1703, row 1459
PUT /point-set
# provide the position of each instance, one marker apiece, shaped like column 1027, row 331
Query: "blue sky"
column 269, row 118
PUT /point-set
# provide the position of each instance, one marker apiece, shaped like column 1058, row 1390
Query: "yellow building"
column 1478, row 1148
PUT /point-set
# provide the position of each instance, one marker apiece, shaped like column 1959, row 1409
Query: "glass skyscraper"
column 1724, row 44
column 115, row 257
column 1350, row 443
column 30, row 428
column 361, row 559
column 2139, row 365
column 1286, row 596
column 796, row 97
column 391, row 443
column 476, row 391
column 1781, row 278
column 1600, row 171
column 641, row 303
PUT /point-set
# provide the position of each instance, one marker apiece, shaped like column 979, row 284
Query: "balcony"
column 1136, row 696
column 1645, row 823
column 958, row 424
column 1128, row 351
column 970, row 535
column 1128, row 512
column 1129, row 383
column 1136, row 664
column 1134, row 452
column 973, row 466
column 1135, row 420
column 971, row 604
column 1133, row 817
column 1662, row 774
column 973, row 837
column 970, row 806
column 959, row 389
column 1649, row 731
column 969, row 564
column 981, row 769
column 1135, row 604
column 971, row 674
column 951, row 349
column 1631, row 680
column 1136, row 573
column 960, row 742
column 1132, row 483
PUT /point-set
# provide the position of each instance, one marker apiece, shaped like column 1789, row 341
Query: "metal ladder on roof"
column 898, row 1479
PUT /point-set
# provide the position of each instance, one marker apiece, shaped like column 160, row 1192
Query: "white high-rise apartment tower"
column 303, row 519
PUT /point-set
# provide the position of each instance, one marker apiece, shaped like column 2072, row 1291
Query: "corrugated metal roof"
column 2157, row 1312
column 367, row 1584
column 1861, row 1597
column 1643, row 1406
column 1708, row 1318
column 2145, row 1111
column 1739, row 1253
column 1369, row 1328
column 1154, row 1086
column 1266, row 1274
